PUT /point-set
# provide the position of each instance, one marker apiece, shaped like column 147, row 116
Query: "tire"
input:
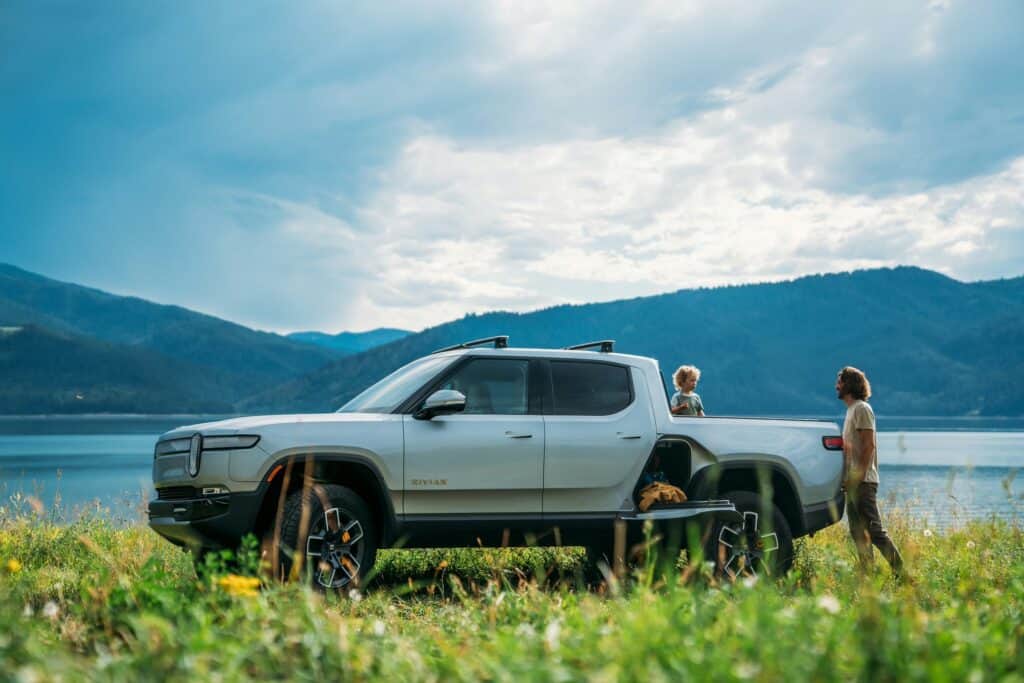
column 754, row 547
column 597, row 565
column 339, row 546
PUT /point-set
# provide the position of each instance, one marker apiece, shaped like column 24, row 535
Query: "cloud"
column 361, row 164
column 711, row 201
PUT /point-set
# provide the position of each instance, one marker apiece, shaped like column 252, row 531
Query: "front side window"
column 584, row 388
column 492, row 386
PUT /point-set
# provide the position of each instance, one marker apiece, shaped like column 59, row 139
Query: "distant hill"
column 239, row 361
column 930, row 344
column 54, row 372
column 347, row 343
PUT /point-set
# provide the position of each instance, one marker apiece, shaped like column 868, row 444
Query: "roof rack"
column 500, row 342
column 607, row 345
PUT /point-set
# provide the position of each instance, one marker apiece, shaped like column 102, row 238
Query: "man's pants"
column 866, row 527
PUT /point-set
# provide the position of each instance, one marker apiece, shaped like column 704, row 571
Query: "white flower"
column 829, row 603
column 51, row 611
column 750, row 581
column 525, row 630
column 27, row 612
column 354, row 595
column 378, row 628
column 551, row 634
column 970, row 545
column 746, row 670
column 927, row 533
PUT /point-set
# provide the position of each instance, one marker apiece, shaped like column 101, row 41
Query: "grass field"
column 90, row 600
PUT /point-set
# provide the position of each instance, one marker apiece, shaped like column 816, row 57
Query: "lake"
column 941, row 470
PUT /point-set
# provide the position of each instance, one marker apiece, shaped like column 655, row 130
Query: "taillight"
column 832, row 443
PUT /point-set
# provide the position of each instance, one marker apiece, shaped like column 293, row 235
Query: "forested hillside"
column 930, row 344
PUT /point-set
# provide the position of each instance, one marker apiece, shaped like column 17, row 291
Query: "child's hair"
column 684, row 373
column 855, row 383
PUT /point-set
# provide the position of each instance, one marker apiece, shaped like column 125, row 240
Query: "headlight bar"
column 210, row 443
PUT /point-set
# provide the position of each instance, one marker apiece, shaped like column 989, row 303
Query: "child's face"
column 690, row 383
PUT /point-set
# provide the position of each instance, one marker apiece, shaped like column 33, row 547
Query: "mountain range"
column 931, row 345
column 69, row 348
column 347, row 343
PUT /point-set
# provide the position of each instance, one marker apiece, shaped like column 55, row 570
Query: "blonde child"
column 686, row 401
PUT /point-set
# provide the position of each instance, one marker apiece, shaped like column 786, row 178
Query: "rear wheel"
column 337, row 547
column 762, row 544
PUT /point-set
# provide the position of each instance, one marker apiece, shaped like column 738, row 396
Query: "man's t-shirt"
column 860, row 416
column 690, row 402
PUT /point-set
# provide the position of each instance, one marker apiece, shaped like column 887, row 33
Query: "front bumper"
column 206, row 522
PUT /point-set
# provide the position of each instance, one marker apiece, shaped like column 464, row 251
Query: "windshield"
column 387, row 394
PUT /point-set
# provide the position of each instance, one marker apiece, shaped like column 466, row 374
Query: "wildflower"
column 746, row 670
column 232, row 584
column 750, row 581
column 12, row 566
column 354, row 595
column 525, row 630
column 51, row 611
column 378, row 628
column 927, row 533
column 829, row 603
column 552, row 633
column 970, row 545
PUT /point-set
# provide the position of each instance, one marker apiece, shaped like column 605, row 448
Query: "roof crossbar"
column 500, row 342
column 607, row 345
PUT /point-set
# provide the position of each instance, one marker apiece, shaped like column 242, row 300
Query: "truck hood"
column 256, row 424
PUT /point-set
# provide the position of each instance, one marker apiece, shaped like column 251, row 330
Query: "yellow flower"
column 12, row 566
column 232, row 584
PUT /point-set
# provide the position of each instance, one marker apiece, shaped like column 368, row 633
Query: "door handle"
column 629, row 436
column 517, row 435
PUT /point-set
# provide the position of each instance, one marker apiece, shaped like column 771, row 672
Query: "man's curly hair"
column 854, row 382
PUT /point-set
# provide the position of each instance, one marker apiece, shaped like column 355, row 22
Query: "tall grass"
column 94, row 600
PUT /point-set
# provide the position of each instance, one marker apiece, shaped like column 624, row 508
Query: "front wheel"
column 328, row 534
column 761, row 544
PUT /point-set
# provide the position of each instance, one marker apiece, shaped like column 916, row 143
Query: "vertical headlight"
column 195, row 452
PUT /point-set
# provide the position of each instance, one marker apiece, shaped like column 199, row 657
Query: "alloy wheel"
column 333, row 549
column 743, row 550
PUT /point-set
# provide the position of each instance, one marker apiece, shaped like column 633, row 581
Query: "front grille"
column 176, row 493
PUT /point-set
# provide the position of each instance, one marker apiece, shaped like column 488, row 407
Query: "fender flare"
column 704, row 482
column 390, row 518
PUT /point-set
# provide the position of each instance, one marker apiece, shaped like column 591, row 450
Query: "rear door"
column 487, row 460
column 600, row 430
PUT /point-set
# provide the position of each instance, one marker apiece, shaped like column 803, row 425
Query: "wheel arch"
column 763, row 478
column 353, row 470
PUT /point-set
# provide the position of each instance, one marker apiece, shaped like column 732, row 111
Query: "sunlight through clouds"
column 350, row 166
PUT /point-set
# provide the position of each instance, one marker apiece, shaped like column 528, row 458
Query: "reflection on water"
column 943, row 475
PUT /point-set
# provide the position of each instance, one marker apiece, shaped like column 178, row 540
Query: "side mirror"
column 441, row 402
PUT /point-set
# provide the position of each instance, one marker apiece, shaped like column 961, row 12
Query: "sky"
column 344, row 166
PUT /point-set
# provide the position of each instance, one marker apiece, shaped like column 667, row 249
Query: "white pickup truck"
column 483, row 444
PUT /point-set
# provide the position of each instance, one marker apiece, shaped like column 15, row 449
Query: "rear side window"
column 582, row 388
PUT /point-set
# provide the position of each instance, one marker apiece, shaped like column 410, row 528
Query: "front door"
column 488, row 460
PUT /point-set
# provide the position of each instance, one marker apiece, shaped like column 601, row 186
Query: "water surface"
column 943, row 471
